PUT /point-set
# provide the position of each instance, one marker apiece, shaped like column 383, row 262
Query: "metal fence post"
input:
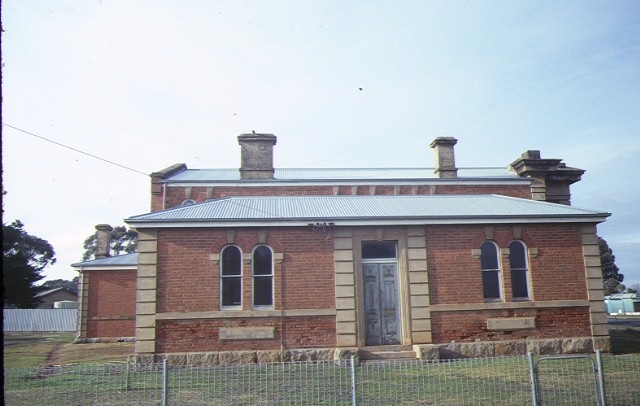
column 603, row 398
column 353, row 380
column 128, row 386
column 534, row 382
column 165, row 381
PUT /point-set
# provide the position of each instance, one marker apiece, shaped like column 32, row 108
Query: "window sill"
column 231, row 308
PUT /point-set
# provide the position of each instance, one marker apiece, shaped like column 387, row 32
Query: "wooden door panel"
column 382, row 323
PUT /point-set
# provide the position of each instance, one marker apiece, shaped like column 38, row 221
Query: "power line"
column 76, row 150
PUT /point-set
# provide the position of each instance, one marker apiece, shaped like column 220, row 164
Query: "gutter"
column 202, row 223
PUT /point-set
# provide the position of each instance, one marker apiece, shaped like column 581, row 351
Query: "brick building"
column 107, row 293
column 435, row 262
column 49, row 298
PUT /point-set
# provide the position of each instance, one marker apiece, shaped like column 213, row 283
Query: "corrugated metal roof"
column 50, row 291
column 39, row 319
column 119, row 260
column 333, row 208
column 336, row 174
column 620, row 296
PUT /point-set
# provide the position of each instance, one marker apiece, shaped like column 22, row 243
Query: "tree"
column 611, row 275
column 71, row 286
column 633, row 288
column 24, row 257
column 122, row 241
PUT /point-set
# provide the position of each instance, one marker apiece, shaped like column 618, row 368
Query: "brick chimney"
column 256, row 155
column 445, row 158
column 103, row 240
column 550, row 178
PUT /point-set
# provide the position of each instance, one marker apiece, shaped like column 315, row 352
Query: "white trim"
column 222, row 277
column 499, row 271
column 527, row 271
column 254, row 276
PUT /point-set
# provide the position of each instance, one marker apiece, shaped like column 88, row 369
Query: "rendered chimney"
column 550, row 178
column 445, row 158
column 103, row 240
column 256, row 155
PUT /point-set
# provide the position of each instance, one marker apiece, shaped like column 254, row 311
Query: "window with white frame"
column 231, row 278
column 490, row 271
column 519, row 271
column 262, row 277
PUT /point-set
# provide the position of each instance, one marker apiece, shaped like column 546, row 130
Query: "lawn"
column 91, row 380
column 24, row 350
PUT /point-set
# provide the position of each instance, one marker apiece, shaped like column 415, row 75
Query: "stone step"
column 387, row 352
column 382, row 348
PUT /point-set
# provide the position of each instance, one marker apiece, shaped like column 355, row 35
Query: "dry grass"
column 23, row 350
column 95, row 353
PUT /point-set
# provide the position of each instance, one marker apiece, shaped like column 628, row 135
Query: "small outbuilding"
column 622, row 303
column 51, row 296
column 107, row 308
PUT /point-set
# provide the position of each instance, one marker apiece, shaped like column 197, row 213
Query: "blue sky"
column 150, row 83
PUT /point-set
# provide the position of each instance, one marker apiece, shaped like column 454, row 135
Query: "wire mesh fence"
column 567, row 381
column 510, row 381
column 481, row 381
column 622, row 379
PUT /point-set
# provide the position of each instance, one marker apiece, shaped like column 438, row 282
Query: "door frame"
column 399, row 235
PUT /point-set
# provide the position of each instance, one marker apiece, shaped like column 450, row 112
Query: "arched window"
column 490, row 271
column 188, row 202
column 518, row 265
column 231, row 277
column 262, row 277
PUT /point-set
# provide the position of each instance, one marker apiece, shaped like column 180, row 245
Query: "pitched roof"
column 333, row 175
column 364, row 210
column 619, row 296
column 118, row 261
column 53, row 290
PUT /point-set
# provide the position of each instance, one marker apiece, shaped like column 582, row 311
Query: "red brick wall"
column 111, row 328
column 550, row 323
column 202, row 335
column 522, row 191
column 556, row 273
column 189, row 281
column 112, row 303
column 176, row 195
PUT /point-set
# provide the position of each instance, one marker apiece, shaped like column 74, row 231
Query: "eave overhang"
column 106, row 268
column 354, row 182
column 364, row 210
column 358, row 223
